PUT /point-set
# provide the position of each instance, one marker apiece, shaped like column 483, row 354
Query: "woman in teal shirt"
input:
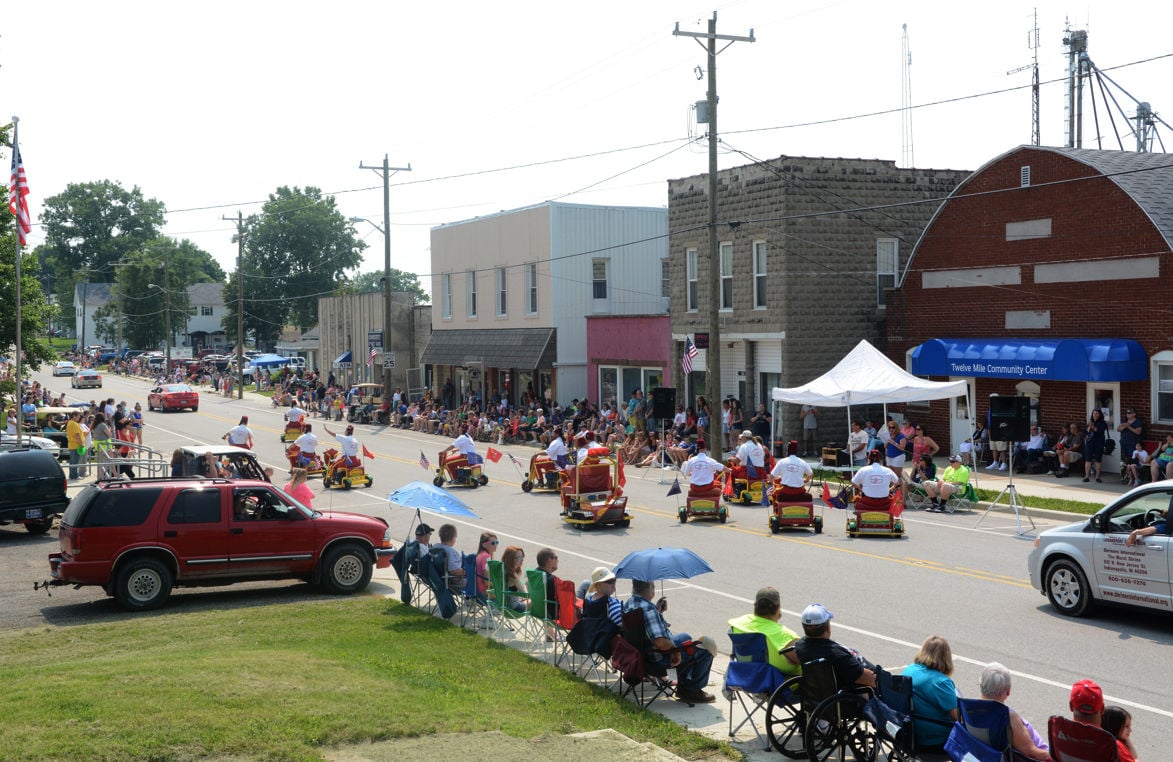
column 933, row 692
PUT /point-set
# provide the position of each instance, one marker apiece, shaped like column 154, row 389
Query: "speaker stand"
column 1011, row 495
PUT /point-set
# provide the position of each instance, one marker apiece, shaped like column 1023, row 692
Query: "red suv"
column 140, row 538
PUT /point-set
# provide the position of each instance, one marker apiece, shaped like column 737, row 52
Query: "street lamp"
column 386, row 299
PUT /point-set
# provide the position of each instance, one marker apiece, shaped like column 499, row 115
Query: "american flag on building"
column 371, row 357
column 18, row 191
column 690, row 351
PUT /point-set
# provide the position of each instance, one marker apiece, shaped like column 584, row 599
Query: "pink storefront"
column 624, row 353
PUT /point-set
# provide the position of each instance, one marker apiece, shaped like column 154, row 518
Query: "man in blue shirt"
column 692, row 669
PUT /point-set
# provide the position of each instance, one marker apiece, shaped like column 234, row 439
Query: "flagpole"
column 16, row 189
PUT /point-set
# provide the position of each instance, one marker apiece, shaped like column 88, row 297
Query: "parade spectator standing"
column 761, row 424
column 1093, row 446
column 76, row 442
column 857, row 444
column 299, row 489
column 767, row 611
column 894, row 441
column 1131, row 432
column 810, row 429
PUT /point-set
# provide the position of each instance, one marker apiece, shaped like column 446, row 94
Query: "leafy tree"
column 372, row 282
column 152, row 282
column 299, row 248
column 88, row 228
column 35, row 312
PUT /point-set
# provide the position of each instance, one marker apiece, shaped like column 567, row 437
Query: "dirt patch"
column 581, row 747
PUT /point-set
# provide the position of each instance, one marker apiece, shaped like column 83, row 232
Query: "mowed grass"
column 281, row 682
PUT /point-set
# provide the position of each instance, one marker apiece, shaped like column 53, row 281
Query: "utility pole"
column 713, row 355
column 167, row 314
column 239, row 302
column 386, row 170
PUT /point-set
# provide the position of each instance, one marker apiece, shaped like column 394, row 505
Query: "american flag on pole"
column 18, row 192
column 424, row 462
column 371, row 357
column 516, row 462
column 690, row 351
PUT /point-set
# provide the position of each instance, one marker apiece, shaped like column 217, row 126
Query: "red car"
column 173, row 397
column 144, row 537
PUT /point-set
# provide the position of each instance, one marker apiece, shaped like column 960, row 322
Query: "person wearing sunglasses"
column 486, row 549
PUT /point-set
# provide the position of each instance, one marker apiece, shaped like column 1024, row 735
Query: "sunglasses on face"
column 494, row 543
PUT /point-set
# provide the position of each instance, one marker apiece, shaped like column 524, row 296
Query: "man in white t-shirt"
column 857, row 444
column 307, row 445
column 240, row 435
column 701, row 470
column 792, row 473
column 466, row 447
column 875, row 480
column 349, row 446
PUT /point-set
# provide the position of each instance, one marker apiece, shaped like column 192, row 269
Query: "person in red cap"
column 1087, row 702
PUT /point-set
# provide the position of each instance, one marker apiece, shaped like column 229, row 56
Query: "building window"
column 1162, row 374
column 501, row 303
column 887, row 260
column 690, row 275
column 599, row 278
column 759, row 274
column 726, row 257
column 446, row 296
column 531, row 289
column 471, row 279
column 665, row 279
column 206, row 310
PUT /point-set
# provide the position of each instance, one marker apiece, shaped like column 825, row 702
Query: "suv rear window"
column 115, row 508
column 195, row 506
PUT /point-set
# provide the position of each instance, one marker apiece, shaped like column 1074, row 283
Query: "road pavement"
column 948, row 576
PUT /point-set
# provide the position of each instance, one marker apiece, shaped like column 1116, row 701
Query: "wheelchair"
column 811, row 717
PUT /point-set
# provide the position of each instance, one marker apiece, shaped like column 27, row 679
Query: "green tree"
column 35, row 312
column 372, row 282
column 299, row 248
column 90, row 226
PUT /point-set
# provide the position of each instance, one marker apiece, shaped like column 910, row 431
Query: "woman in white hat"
column 600, row 600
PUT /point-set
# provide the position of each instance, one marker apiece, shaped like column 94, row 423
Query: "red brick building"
column 1041, row 275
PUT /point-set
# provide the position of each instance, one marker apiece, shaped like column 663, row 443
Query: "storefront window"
column 608, row 385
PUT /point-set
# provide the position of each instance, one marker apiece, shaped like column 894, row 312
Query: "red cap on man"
column 1086, row 698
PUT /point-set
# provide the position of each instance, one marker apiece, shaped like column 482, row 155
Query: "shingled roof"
column 1146, row 177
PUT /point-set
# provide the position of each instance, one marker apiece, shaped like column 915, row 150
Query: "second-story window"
column 690, row 276
column 531, row 289
column 471, row 277
column 446, row 296
column 726, row 257
column 759, row 274
column 599, row 279
column 501, row 291
column 887, row 261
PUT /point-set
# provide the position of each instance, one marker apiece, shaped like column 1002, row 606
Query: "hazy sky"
column 210, row 106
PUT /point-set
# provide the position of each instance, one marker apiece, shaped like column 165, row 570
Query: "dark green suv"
column 32, row 489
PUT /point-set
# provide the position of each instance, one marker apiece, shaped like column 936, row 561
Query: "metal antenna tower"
column 906, row 153
column 1077, row 71
column 1032, row 42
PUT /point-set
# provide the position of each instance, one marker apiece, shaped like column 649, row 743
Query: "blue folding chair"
column 752, row 679
column 473, row 604
column 989, row 722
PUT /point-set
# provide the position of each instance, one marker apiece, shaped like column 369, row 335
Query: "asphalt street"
column 946, row 577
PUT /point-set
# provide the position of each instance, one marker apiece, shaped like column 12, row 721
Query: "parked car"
column 193, row 460
column 86, row 378
column 1080, row 564
column 296, row 363
column 32, row 489
column 64, row 368
column 142, row 538
column 33, row 442
column 173, row 397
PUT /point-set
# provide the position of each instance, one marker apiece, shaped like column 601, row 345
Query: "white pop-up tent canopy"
column 865, row 376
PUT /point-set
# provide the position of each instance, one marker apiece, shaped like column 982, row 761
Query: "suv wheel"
column 39, row 527
column 143, row 584
column 346, row 569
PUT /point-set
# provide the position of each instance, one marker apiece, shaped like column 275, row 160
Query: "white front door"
column 1106, row 397
column 960, row 418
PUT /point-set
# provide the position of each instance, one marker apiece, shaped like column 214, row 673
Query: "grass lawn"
column 281, row 682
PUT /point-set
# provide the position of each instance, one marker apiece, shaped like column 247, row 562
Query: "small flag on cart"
column 493, row 455
column 424, row 462
column 367, row 453
column 826, row 494
column 675, row 488
column 516, row 462
column 622, row 478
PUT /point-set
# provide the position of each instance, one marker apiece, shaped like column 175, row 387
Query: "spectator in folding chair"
column 1086, row 703
column 994, row 685
column 423, row 535
column 934, row 694
column 600, row 600
column 454, row 571
column 548, row 564
column 767, row 611
column 692, row 665
column 486, row 549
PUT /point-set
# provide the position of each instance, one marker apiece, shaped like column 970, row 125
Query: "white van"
column 296, row 363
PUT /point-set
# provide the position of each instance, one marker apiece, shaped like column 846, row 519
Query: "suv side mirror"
column 1097, row 522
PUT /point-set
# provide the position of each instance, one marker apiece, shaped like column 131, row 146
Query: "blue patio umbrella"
column 654, row 564
column 424, row 496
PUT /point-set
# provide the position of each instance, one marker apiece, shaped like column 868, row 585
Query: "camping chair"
column 640, row 673
column 751, row 679
column 988, row 722
column 568, row 614
column 963, row 500
column 473, row 606
column 590, row 639
column 917, row 498
column 1073, row 741
column 963, row 746
column 433, row 573
column 504, row 618
column 539, row 631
